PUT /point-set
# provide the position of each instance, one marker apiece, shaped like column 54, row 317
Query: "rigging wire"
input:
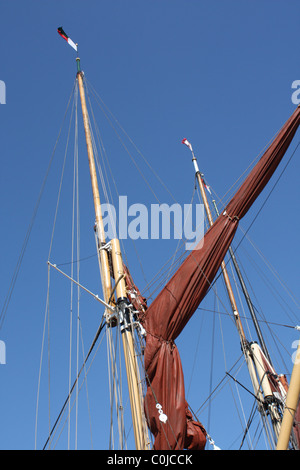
column 94, row 255
column 224, row 201
column 269, row 194
column 47, row 315
column 31, row 224
column 248, row 318
column 114, row 394
column 76, row 397
column 245, row 233
column 243, row 415
column 291, row 294
column 78, row 264
column 130, row 155
column 115, row 391
column 78, row 257
column 274, row 186
column 172, row 258
column 211, row 286
column 130, row 140
column 172, row 262
column 212, row 364
column 217, row 387
column 195, row 354
column 241, row 418
column 104, row 155
column 75, row 244
column 79, row 328
column 72, row 272
column 105, row 162
column 133, row 161
column 115, row 388
column 102, row 325
column 272, row 288
column 238, row 291
column 259, row 312
column 42, row 352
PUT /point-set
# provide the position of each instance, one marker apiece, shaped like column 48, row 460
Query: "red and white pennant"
column 66, row 37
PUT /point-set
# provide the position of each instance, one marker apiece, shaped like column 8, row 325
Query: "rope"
column 248, row 318
column 224, row 203
column 245, row 233
column 76, row 191
column 268, row 196
column 225, row 377
column 41, row 358
column 102, row 325
column 47, row 315
column 71, row 287
column 273, row 271
column 103, row 153
column 129, row 138
column 115, row 390
column 83, row 381
column 30, row 227
column 263, row 204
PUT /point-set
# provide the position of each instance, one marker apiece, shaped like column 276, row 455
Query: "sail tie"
column 235, row 217
column 161, row 339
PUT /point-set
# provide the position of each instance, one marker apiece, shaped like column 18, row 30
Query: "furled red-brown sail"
column 178, row 300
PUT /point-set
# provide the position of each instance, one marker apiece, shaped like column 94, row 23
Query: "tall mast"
column 124, row 317
column 105, row 271
column 223, row 265
column 292, row 401
column 247, row 297
column 258, row 373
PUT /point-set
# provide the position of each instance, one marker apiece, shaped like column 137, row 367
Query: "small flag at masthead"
column 66, row 37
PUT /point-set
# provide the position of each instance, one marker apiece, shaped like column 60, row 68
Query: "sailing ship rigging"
column 159, row 409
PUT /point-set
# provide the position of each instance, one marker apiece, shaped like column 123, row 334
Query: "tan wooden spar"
column 132, row 371
column 237, row 318
column 105, row 271
column 253, row 359
column 134, row 382
column 223, row 265
column 240, row 329
column 292, row 401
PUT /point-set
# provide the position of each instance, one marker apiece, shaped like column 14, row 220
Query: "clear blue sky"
column 218, row 73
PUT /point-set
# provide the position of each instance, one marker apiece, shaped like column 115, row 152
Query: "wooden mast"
column 105, row 271
column 282, row 428
column 223, row 265
column 248, row 353
column 247, row 297
column 126, row 321
column 292, row 401
column 126, row 327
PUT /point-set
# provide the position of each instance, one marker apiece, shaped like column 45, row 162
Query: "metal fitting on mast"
column 78, row 64
column 125, row 315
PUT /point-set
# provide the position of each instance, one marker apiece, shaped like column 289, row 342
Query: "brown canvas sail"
column 178, row 300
